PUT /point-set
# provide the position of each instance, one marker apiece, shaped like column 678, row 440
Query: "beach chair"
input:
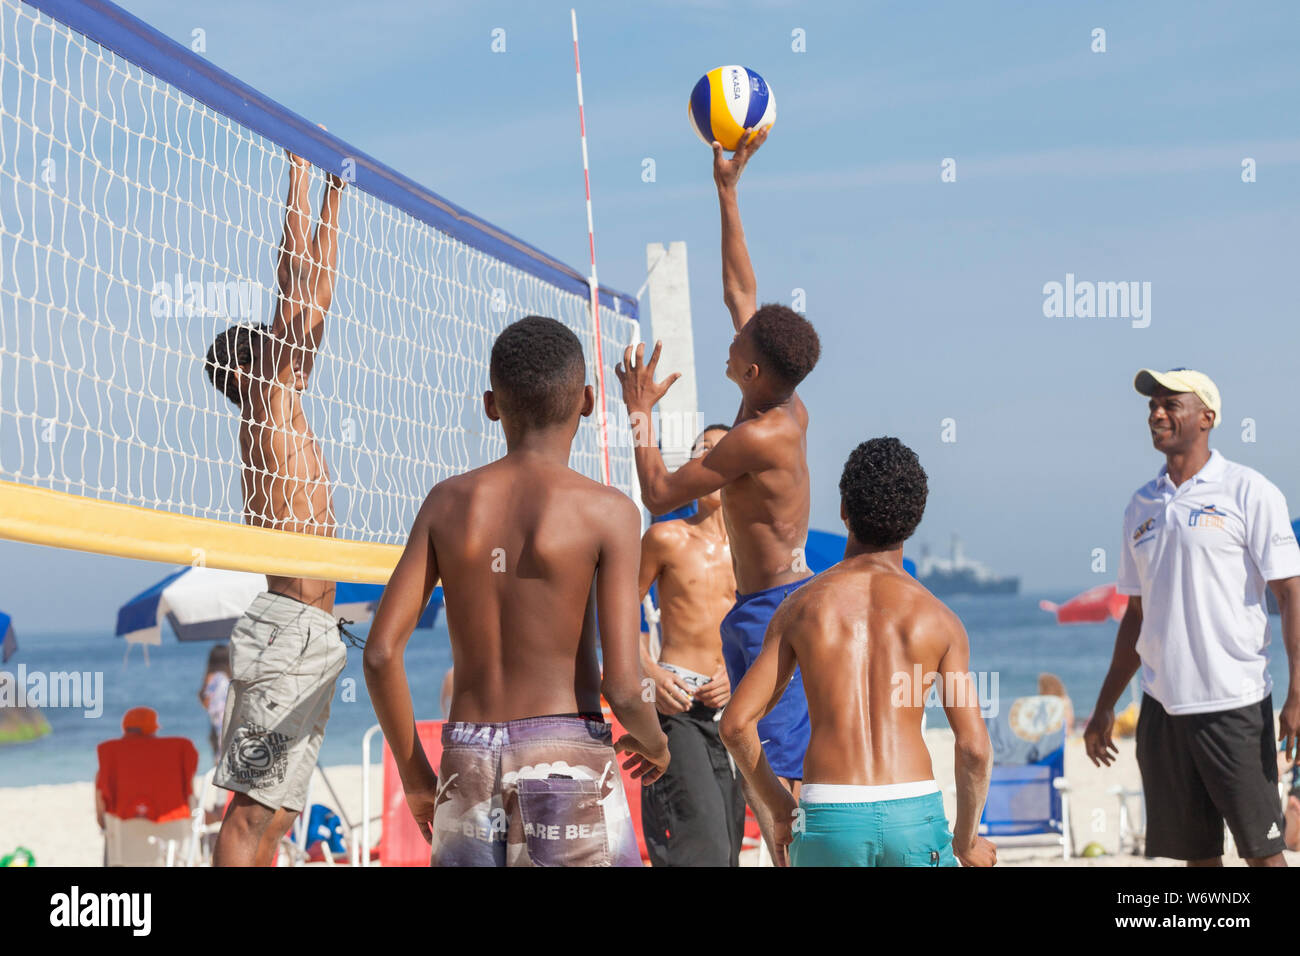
column 1132, row 824
column 400, row 842
column 1029, row 802
column 143, row 842
column 144, row 785
column 203, row 834
column 752, row 841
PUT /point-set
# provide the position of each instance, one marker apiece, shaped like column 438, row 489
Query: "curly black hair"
column 230, row 350
column 787, row 341
column 883, row 489
column 537, row 371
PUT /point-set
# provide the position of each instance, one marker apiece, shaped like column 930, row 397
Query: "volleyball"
column 727, row 101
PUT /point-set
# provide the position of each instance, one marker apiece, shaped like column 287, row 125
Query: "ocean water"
column 1012, row 642
column 170, row 685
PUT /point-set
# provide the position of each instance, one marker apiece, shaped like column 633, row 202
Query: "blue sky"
column 1115, row 166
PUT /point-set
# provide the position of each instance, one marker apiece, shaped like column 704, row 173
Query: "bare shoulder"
column 454, row 495
column 448, row 493
column 667, row 533
column 605, row 506
column 816, row 602
column 932, row 616
column 761, row 441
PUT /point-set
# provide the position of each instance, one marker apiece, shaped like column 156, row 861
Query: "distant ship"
column 959, row 575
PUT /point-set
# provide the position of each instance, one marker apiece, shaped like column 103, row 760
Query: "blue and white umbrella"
column 204, row 604
column 8, row 642
column 826, row 548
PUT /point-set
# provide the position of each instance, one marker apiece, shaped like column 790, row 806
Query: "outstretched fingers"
column 654, row 359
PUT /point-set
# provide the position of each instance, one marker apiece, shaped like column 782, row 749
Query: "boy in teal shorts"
column 862, row 633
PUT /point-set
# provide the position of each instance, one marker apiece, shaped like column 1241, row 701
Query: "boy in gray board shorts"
column 286, row 652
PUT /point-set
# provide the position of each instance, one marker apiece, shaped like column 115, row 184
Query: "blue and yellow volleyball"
column 727, row 101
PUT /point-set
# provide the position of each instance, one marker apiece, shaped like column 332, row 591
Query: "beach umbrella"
column 18, row 724
column 203, row 604
column 1094, row 605
column 826, row 548
column 8, row 642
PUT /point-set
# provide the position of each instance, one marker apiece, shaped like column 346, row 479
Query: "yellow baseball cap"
column 1182, row 380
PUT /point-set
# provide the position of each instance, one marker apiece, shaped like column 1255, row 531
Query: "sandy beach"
column 57, row 822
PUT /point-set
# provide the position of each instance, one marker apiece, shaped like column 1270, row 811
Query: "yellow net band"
column 61, row 520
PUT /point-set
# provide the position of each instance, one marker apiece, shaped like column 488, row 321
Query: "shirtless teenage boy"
column 859, row 631
column 285, row 652
column 694, row 815
column 761, row 465
column 528, row 551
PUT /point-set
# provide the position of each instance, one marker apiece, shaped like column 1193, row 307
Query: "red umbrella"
column 1092, row 606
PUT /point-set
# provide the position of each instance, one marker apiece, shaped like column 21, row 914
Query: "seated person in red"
column 142, row 775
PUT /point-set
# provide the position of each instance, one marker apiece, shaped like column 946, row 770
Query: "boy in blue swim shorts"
column 760, row 465
column 784, row 731
column 860, row 633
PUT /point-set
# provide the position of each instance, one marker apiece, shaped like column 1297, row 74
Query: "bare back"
column 766, row 511
column 518, row 545
column 864, row 639
column 286, row 482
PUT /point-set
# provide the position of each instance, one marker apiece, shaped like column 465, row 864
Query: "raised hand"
column 726, row 172
column 640, row 390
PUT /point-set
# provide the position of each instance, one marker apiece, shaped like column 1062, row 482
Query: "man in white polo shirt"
column 1201, row 541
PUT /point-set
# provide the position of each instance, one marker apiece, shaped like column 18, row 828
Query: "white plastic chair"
column 142, row 842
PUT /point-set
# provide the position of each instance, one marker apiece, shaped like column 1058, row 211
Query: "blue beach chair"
column 1029, row 801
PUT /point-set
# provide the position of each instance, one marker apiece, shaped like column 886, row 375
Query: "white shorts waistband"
column 852, row 793
column 694, row 678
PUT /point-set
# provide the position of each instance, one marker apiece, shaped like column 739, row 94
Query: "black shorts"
column 694, row 815
column 1200, row 770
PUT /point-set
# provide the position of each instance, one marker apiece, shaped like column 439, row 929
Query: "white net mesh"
column 137, row 223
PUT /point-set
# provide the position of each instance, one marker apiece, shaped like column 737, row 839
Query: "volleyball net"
column 142, row 203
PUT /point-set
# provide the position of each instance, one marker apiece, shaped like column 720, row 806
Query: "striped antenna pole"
column 592, row 281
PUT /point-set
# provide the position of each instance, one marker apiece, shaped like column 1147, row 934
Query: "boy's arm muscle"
column 619, row 620
column 740, row 452
column 759, row 691
column 400, row 606
column 973, row 754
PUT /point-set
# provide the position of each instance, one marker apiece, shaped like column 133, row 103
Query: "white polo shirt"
column 1201, row 556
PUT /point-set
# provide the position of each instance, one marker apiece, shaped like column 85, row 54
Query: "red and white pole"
column 592, row 281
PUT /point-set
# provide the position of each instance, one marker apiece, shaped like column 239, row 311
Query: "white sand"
column 57, row 822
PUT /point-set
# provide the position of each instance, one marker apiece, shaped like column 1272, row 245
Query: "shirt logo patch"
column 1143, row 528
column 1207, row 517
column 1281, row 540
